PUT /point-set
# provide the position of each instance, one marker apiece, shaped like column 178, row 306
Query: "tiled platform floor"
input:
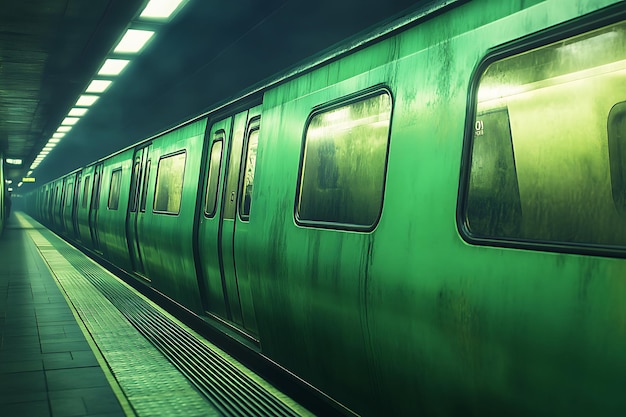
column 73, row 343
column 47, row 367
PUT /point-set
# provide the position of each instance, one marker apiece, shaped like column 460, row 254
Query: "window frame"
column 119, row 189
column 220, row 136
column 156, row 183
column 344, row 101
column 566, row 30
column 253, row 125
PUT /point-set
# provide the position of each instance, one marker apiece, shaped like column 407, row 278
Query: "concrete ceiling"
column 210, row 51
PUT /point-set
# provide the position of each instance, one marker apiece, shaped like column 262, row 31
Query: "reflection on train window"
column 543, row 167
column 215, row 162
column 144, row 192
column 617, row 154
column 114, row 190
column 344, row 164
column 86, row 191
column 169, row 184
column 248, row 174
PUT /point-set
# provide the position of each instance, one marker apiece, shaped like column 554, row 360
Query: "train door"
column 216, row 232
column 137, row 205
column 93, row 207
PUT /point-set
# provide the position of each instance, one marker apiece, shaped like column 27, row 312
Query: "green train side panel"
column 166, row 239
column 410, row 318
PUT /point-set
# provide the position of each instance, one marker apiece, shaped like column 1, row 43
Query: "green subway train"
column 427, row 220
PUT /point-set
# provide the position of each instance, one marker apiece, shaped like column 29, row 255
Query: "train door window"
column 86, row 191
column 114, row 190
column 169, row 184
column 95, row 193
column 215, row 163
column 617, row 154
column 543, row 166
column 134, row 186
column 344, row 163
column 144, row 192
column 249, row 170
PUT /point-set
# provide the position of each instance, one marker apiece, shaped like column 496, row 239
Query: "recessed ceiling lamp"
column 113, row 66
column 160, row 9
column 98, row 86
column 70, row 121
column 78, row 111
column 133, row 41
column 86, row 100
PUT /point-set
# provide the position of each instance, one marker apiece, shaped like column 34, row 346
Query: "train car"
column 428, row 220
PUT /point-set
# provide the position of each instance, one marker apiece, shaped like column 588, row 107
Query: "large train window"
column 252, row 144
column 169, row 183
column 215, row 163
column 543, row 167
column 344, row 163
column 114, row 190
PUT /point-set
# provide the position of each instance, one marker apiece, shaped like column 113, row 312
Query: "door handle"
column 232, row 196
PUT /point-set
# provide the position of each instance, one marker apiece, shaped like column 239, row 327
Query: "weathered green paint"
column 409, row 318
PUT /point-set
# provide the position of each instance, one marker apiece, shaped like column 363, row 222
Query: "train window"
column 617, row 154
column 248, row 173
column 114, row 190
column 86, row 191
column 169, row 184
column 543, row 166
column 344, row 164
column 215, row 163
column 134, row 187
column 95, row 193
column 144, row 192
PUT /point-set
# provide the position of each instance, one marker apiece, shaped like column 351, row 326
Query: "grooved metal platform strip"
column 168, row 371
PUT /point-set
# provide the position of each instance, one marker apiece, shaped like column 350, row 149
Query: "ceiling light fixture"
column 78, row 111
column 70, row 121
column 113, row 66
column 98, row 86
column 86, row 100
column 160, row 9
column 133, row 41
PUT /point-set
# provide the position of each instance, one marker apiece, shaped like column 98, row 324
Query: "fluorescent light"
column 10, row 189
column 78, row 111
column 86, row 100
column 113, row 66
column 19, row 184
column 64, row 128
column 160, row 9
column 98, row 86
column 133, row 41
column 29, row 172
column 58, row 135
column 13, row 161
column 70, row 121
column 8, row 181
column 54, row 140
